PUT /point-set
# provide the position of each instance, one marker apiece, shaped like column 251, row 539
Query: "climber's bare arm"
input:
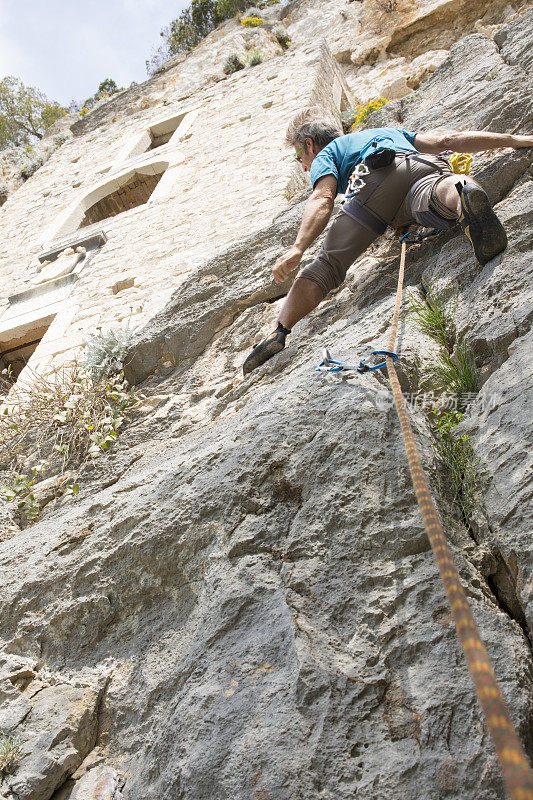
column 316, row 216
column 468, row 141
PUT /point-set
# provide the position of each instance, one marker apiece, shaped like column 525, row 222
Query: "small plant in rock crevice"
column 452, row 371
column 411, row 98
column 58, row 423
column 7, row 380
column 461, row 482
column 252, row 22
column 4, row 192
column 31, row 166
column 433, row 314
column 388, row 6
column 281, row 33
column 354, row 118
column 11, row 751
column 105, row 352
column 289, row 195
column 457, row 372
column 255, row 57
column 232, row 64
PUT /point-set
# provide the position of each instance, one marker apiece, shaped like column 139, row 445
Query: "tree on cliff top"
column 107, row 88
column 25, row 113
column 193, row 25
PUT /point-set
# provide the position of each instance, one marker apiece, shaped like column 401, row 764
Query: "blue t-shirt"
column 341, row 156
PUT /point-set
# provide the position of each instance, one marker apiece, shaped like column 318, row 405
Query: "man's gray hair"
column 312, row 124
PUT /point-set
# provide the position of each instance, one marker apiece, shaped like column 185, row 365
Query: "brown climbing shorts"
column 399, row 195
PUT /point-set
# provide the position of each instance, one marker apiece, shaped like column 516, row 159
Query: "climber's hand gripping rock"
column 286, row 263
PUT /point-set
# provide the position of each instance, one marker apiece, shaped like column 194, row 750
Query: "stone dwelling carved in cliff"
column 150, row 192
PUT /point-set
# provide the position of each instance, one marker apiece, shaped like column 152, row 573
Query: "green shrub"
column 106, row 89
column 434, row 314
column 255, row 57
column 232, row 64
column 196, row 21
column 20, row 489
column 455, row 373
column 225, row 9
column 25, row 113
column 10, row 752
column 282, row 35
column 61, row 138
column 31, row 166
column 105, row 352
column 56, row 423
column 461, row 482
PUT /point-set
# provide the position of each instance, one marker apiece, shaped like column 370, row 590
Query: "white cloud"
column 67, row 48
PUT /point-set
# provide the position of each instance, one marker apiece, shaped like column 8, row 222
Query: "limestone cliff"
column 242, row 602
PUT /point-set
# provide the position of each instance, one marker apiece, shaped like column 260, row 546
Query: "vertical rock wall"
column 242, row 601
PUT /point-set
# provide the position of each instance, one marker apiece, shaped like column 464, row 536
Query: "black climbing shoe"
column 480, row 223
column 266, row 349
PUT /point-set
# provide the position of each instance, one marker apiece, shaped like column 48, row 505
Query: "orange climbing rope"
column 517, row 773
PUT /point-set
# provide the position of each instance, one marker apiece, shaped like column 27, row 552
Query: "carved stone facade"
column 165, row 185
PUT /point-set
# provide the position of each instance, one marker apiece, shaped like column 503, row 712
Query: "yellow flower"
column 362, row 113
column 252, row 22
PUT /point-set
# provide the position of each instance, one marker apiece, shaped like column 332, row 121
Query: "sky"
column 66, row 49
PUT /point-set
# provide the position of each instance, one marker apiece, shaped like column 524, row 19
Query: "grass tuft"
column 434, row 314
column 10, row 752
column 452, row 371
column 455, row 373
column 461, row 481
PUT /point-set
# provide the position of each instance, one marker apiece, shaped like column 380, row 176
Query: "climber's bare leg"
column 475, row 215
column 304, row 296
column 446, row 191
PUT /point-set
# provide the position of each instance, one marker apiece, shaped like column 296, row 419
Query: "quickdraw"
column 415, row 238
column 365, row 368
column 356, row 182
column 328, row 364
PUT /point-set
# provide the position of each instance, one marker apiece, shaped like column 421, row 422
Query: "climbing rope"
column 517, row 773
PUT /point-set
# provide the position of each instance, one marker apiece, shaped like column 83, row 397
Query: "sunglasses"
column 297, row 154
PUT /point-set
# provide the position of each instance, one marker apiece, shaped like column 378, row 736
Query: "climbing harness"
column 517, row 774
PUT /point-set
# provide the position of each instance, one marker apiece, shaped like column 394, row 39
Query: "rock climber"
column 390, row 177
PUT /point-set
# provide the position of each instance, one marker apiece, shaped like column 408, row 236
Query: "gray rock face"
column 242, row 603
column 514, row 42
